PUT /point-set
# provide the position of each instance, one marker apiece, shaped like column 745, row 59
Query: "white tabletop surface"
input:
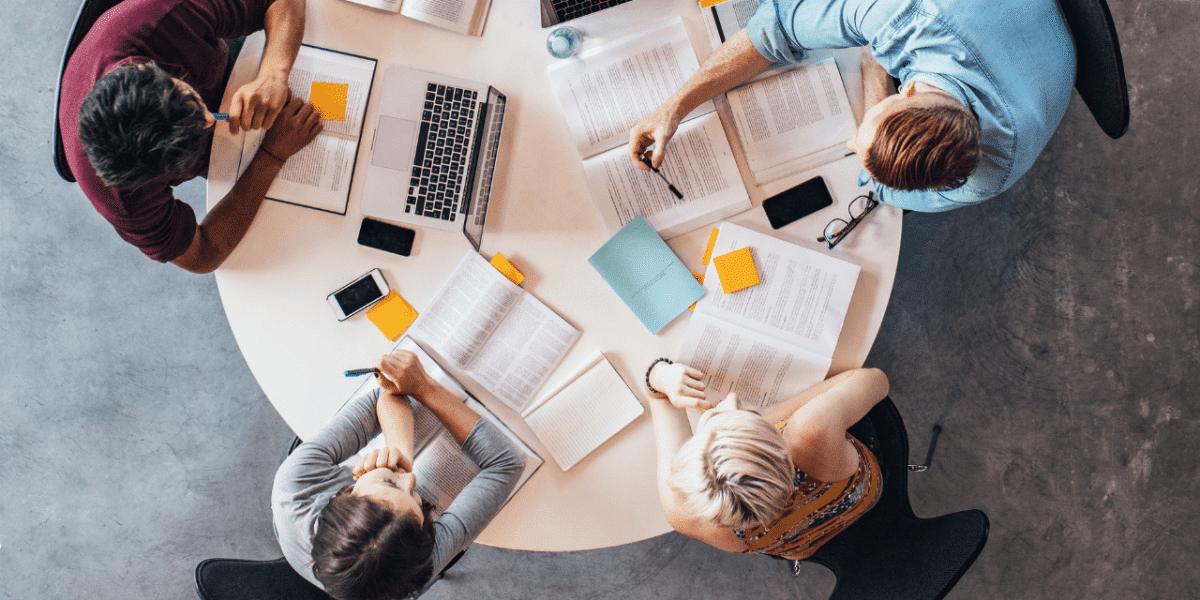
column 274, row 285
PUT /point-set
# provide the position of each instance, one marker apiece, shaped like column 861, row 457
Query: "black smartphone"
column 386, row 237
column 799, row 202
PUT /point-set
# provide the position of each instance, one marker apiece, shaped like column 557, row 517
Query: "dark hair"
column 364, row 550
column 136, row 125
column 925, row 148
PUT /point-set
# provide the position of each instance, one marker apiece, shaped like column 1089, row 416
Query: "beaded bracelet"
column 648, row 386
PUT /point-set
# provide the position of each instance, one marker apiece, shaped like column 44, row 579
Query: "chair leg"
column 937, row 430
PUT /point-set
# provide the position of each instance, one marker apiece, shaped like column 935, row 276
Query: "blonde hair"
column 738, row 475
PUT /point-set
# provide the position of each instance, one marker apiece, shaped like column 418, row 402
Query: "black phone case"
column 796, row 203
column 386, row 237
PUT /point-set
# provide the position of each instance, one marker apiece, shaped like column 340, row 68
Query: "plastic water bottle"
column 564, row 42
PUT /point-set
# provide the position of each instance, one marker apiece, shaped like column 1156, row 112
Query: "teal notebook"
column 646, row 274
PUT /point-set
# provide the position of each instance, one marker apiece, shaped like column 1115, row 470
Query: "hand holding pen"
column 646, row 161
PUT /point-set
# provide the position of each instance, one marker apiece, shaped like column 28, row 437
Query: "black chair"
column 890, row 553
column 1100, row 75
column 89, row 11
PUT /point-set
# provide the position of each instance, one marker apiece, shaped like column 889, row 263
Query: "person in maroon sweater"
column 135, row 118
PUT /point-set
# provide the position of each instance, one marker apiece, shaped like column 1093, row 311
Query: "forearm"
column 732, row 63
column 671, row 431
column 226, row 224
column 284, row 24
column 396, row 421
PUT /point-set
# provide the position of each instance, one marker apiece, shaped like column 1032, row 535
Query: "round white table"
column 274, row 285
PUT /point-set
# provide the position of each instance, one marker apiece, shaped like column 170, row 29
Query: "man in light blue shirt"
column 984, row 85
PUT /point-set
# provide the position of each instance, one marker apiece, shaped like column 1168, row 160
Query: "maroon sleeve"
column 149, row 217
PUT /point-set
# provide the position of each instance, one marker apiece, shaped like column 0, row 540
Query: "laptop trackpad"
column 394, row 143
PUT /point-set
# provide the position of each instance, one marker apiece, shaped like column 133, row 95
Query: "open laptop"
column 557, row 11
column 434, row 152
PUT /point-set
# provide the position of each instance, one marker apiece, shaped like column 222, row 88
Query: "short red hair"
column 925, row 148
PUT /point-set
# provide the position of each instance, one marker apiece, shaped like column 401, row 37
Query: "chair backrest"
column 89, row 11
column 233, row 579
column 1100, row 77
column 890, row 553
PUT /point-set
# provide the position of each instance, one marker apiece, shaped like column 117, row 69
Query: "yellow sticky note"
column 736, row 270
column 712, row 241
column 329, row 99
column 507, row 269
column 708, row 3
column 392, row 315
column 699, row 279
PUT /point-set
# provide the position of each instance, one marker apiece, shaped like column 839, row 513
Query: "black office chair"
column 1100, row 75
column 89, row 11
column 238, row 579
column 890, row 553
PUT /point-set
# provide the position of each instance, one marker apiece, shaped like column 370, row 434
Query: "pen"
column 221, row 116
column 357, row 372
column 646, row 161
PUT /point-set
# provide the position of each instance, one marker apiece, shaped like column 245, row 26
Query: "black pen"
column 357, row 372
column 646, row 161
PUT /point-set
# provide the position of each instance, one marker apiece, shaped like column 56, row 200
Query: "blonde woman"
column 781, row 483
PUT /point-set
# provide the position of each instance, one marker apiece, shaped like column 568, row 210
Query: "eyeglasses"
column 838, row 229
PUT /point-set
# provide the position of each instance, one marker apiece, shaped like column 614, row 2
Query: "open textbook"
column 456, row 15
column 504, row 338
column 608, row 90
column 584, row 413
column 775, row 339
column 319, row 175
column 788, row 119
column 442, row 469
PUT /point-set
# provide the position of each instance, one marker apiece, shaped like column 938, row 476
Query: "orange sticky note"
column 736, row 270
column 329, row 99
column 507, row 269
column 699, row 279
column 712, row 241
column 392, row 315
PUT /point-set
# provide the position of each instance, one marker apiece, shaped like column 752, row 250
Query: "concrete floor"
column 1053, row 331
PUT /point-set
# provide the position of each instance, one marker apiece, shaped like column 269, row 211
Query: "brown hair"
column 925, row 148
column 364, row 550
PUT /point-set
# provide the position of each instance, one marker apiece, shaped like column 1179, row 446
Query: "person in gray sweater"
column 365, row 534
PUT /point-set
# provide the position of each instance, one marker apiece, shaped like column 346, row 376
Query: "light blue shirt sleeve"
column 783, row 31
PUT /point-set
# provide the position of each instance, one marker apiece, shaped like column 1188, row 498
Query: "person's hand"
column 297, row 125
column 401, row 373
column 681, row 384
column 257, row 104
column 656, row 129
column 383, row 458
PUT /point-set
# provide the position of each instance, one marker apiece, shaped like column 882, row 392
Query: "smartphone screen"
column 799, row 202
column 357, row 295
column 386, row 237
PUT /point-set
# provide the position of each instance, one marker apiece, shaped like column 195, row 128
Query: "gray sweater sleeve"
column 311, row 475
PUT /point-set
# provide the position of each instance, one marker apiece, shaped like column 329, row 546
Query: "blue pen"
column 357, row 372
column 221, row 116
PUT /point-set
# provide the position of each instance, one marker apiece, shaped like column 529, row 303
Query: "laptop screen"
column 487, row 144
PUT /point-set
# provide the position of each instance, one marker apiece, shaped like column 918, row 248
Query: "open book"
column 442, row 469
column 775, row 339
column 456, row 15
column 504, row 338
column 787, row 120
column 584, row 413
column 319, row 175
column 608, row 90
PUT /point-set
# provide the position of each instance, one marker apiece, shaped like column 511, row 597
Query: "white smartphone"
column 358, row 294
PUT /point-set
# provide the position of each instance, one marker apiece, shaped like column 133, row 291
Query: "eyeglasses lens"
column 834, row 229
column 859, row 207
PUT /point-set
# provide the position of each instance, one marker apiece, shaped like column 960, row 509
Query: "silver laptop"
column 434, row 152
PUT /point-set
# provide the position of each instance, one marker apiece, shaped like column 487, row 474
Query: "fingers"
column 637, row 146
column 659, row 153
column 694, row 373
column 235, row 112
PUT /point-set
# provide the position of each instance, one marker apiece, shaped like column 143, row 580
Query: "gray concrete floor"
column 1053, row 331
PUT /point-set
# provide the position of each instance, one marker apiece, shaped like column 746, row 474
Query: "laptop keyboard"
column 440, row 168
column 571, row 9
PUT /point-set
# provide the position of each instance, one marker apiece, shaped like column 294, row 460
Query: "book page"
column 760, row 369
column 466, row 310
column 584, row 414
column 795, row 120
column 454, row 15
column 388, row 5
column 699, row 163
column 801, row 298
column 521, row 353
column 607, row 90
column 725, row 18
column 442, row 472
